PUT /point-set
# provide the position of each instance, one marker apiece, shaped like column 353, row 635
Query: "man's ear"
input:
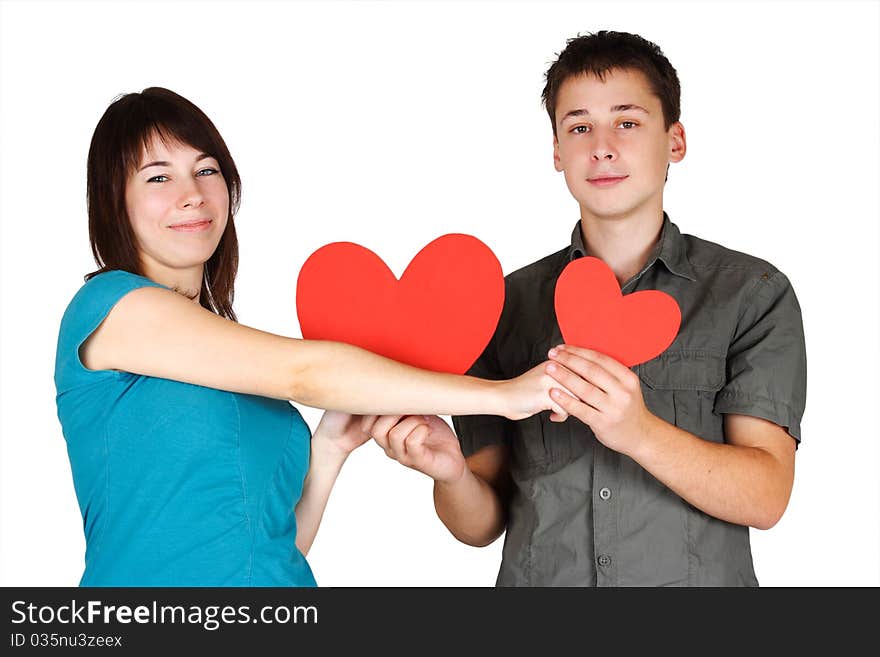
column 677, row 142
column 556, row 162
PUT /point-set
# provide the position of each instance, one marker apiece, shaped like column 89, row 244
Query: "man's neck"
column 623, row 243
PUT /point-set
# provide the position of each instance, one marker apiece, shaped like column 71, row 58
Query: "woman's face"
column 178, row 204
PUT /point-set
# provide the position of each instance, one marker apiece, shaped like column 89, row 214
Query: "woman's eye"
column 158, row 179
column 207, row 171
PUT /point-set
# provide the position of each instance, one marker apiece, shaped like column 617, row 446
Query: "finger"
column 385, row 449
column 556, row 408
column 397, row 435
column 573, row 406
column 588, row 369
column 557, row 413
column 613, row 366
column 367, row 422
column 414, row 445
column 381, row 427
column 382, row 441
column 384, row 424
column 440, row 427
column 553, row 383
column 576, row 386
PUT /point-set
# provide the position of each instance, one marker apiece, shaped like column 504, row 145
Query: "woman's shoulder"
column 103, row 289
column 89, row 307
column 110, row 281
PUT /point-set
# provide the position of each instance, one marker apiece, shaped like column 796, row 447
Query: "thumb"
column 415, row 444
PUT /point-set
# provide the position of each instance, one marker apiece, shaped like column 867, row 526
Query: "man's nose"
column 602, row 148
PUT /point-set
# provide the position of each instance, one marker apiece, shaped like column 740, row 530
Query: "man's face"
column 611, row 144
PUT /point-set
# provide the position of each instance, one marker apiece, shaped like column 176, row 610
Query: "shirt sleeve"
column 477, row 431
column 767, row 359
column 89, row 307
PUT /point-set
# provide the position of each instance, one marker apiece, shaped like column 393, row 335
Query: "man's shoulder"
column 707, row 257
column 548, row 267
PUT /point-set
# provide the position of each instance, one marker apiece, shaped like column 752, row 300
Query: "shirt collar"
column 670, row 249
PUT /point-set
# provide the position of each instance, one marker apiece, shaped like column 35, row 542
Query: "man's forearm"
column 742, row 485
column 471, row 509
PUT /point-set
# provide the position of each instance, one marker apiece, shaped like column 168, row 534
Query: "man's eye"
column 158, row 179
column 207, row 171
column 628, row 124
column 580, row 129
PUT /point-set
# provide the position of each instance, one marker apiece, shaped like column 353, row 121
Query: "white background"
column 391, row 124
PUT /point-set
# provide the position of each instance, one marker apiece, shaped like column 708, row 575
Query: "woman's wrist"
column 497, row 398
column 327, row 453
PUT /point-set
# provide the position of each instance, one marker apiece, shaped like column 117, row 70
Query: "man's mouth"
column 606, row 180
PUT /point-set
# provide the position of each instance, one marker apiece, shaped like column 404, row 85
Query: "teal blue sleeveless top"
column 178, row 484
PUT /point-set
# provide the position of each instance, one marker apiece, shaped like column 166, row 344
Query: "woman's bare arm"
column 157, row 332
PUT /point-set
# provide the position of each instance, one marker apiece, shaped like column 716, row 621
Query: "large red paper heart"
column 592, row 313
column 439, row 316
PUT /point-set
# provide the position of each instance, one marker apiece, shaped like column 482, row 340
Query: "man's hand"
column 421, row 442
column 746, row 480
column 606, row 395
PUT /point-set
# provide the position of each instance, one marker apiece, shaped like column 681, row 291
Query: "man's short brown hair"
column 597, row 54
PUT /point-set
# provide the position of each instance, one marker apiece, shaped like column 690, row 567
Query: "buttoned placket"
column 606, row 480
column 606, row 462
column 606, row 538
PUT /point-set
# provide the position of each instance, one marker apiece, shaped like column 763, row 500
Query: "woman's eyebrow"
column 163, row 163
column 157, row 163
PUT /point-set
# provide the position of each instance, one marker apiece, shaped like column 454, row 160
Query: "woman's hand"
column 339, row 433
column 529, row 393
column 336, row 436
column 421, row 442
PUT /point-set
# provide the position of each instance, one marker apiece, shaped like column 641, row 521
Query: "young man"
column 659, row 470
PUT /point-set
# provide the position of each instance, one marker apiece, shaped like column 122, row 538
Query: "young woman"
column 190, row 466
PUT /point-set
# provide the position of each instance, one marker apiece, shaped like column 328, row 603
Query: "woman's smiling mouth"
column 192, row 226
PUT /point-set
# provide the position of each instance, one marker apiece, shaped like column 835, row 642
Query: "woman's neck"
column 186, row 281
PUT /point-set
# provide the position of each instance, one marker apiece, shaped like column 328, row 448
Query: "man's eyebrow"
column 163, row 163
column 628, row 107
column 574, row 114
column 614, row 108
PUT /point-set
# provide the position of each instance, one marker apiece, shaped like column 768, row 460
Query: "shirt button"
column 605, row 493
column 604, row 560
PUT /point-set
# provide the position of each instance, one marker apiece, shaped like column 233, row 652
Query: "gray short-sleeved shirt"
column 580, row 514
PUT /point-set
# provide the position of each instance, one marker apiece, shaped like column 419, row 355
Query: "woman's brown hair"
column 120, row 138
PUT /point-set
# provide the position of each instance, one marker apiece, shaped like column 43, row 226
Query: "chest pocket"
column 680, row 387
column 539, row 446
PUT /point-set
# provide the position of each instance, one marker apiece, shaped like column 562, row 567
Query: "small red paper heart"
column 592, row 313
column 439, row 316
